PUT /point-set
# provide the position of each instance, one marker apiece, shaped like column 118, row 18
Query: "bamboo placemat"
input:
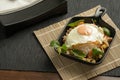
column 69, row 69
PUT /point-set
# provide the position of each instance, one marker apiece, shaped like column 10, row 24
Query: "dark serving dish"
column 98, row 17
column 11, row 22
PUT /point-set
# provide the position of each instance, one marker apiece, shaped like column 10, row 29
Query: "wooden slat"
column 69, row 69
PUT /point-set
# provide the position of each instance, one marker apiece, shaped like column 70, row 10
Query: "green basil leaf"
column 78, row 53
column 64, row 48
column 60, row 49
column 55, row 44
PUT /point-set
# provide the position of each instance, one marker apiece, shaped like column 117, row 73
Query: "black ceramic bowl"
column 99, row 21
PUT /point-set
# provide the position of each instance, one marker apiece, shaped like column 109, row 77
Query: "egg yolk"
column 84, row 30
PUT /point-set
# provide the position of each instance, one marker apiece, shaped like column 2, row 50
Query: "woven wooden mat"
column 69, row 69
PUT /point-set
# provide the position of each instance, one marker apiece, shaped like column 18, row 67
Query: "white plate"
column 9, row 6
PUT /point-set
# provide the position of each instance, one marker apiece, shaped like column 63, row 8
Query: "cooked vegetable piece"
column 106, row 31
column 74, row 24
column 78, row 53
column 96, row 52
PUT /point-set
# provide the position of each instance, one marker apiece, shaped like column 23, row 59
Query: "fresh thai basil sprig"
column 58, row 47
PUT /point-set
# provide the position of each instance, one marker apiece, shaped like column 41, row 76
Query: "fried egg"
column 84, row 33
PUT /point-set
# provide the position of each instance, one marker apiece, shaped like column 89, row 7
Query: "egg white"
column 74, row 37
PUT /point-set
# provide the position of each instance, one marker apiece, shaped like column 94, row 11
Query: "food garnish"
column 58, row 47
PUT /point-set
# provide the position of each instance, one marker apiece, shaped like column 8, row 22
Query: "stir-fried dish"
column 84, row 41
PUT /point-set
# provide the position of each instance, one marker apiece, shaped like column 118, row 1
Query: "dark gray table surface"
column 22, row 51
